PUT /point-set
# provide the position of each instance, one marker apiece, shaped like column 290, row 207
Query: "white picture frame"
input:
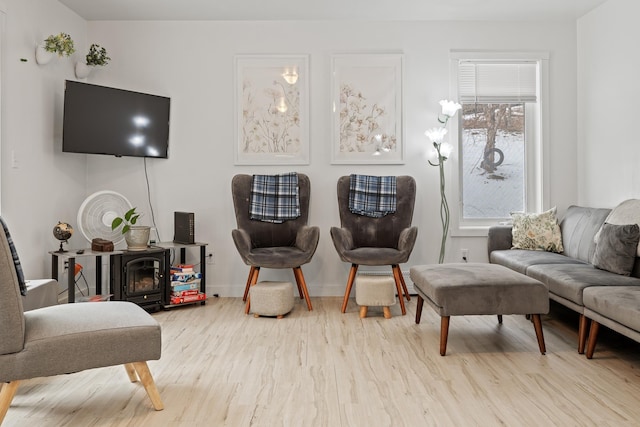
column 367, row 104
column 272, row 109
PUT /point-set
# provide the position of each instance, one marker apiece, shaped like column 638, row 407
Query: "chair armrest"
column 242, row 240
column 499, row 238
column 342, row 239
column 307, row 238
column 407, row 239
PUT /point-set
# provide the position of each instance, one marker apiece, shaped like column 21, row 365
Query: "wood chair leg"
column 7, row 392
column 582, row 333
column 253, row 275
column 246, row 288
column 131, row 372
column 419, row 309
column 302, row 285
column 352, row 277
column 402, row 282
column 593, row 337
column 146, row 378
column 444, row 334
column 397, row 275
column 537, row 324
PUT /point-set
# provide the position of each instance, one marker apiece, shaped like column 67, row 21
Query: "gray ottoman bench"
column 478, row 289
column 271, row 298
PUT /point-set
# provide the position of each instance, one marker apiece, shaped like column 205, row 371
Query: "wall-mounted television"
column 105, row 120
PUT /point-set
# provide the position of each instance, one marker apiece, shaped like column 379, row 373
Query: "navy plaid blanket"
column 16, row 260
column 275, row 198
column 373, row 196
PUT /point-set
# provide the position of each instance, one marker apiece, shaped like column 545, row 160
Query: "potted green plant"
column 62, row 44
column 97, row 57
column 136, row 236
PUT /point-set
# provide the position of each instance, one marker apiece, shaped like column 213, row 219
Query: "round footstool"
column 271, row 299
column 375, row 291
column 461, row 289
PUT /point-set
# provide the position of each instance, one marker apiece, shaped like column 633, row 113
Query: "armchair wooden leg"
column 302, row 285
column 149, row 385
column 347, row 292
column 6, row 396
column 402, row 282
column 419, row 309
column 253, row 279
column 593, row 337
column 397, row 275
column 252, row 271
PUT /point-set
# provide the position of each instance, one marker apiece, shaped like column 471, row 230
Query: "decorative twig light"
column 443, row 151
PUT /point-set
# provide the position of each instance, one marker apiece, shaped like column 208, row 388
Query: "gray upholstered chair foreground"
column 290, row 244
column 362, row 240
column 67, row 338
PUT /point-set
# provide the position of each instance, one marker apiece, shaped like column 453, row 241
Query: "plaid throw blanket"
column 16, row 260
column 373, row 196
column 275, row 198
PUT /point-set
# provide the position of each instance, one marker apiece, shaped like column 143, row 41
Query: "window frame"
column 536, row 136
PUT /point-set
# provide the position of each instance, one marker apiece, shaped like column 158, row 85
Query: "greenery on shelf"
column 62, row 44
column 130, row 218
column 97, row 55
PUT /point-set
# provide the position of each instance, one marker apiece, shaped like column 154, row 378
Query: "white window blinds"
column 491, row 82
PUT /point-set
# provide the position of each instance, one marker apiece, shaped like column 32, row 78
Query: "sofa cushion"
column 539, row 232
column 618, row 303
column 579, row 226
column 570, row 280
column 627, row 212
column 616, row 248
column 521, row 259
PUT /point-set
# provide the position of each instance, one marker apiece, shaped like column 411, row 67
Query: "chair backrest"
column 266, row 234
column 378, row 232
column 12, row 326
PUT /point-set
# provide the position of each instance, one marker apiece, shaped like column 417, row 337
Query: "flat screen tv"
column 104, row 120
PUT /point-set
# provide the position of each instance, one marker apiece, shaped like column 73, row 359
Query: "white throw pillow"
column 627, row 212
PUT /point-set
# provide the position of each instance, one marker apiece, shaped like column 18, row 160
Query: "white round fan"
column 98, row 211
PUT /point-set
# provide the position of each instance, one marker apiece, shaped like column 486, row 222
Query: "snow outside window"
column 498, row 166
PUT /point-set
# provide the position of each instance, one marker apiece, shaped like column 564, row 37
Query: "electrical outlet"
column 465, row 254
column 210, row 259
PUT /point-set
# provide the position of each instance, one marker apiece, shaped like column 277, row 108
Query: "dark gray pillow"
column 616, row 248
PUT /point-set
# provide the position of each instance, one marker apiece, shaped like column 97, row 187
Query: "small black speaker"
column 184, row 227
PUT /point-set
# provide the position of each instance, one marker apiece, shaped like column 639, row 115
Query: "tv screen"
column 104, row 120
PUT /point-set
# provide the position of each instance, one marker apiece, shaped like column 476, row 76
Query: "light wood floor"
column 323, row 368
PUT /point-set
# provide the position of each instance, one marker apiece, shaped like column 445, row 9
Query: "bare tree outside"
column 493, row 160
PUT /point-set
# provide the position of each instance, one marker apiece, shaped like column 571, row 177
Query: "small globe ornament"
column 63, row 232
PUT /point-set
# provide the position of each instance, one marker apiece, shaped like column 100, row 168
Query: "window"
column 500, row 138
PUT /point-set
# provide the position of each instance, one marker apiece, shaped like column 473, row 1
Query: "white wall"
column 192, row 62
column 609, row 89
column 46, row 186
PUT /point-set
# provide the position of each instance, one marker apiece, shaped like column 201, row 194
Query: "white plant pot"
column 42, row 56
column 83, row 70
column 137, row 237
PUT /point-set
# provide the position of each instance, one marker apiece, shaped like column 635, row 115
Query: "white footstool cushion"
column 375, row 291
column 271, row 298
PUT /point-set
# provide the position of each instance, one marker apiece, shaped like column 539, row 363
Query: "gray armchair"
column 290, row 244
column 67, row 338
column 389, row 240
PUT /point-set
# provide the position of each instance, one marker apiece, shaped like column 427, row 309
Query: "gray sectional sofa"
column 607, row 298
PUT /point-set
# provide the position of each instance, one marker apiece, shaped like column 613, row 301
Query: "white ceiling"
column 376, row 10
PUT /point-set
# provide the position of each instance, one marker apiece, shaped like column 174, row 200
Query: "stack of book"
column 185, row 285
